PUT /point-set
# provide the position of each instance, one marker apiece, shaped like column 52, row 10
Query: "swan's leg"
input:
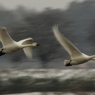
column 69, row 63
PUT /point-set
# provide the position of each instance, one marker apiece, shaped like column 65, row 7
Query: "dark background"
column 77, row 23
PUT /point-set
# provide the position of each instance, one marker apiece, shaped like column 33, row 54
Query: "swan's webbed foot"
column 68, row 64
column 1, row 53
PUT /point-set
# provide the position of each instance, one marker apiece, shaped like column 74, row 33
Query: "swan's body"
column 77, row 57
column 11, row 46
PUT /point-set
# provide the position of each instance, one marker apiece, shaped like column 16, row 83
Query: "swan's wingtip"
column 2, row 27
column 55, row 27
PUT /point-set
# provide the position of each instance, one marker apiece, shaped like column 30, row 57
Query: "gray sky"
column 37, row 4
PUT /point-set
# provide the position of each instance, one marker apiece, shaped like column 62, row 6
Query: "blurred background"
column 76, row 20
column 23, row 19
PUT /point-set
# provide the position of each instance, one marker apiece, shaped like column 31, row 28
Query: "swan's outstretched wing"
column 5, row 37
column 71, row 49
column 27, row 50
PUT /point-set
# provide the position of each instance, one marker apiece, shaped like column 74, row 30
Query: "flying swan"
column 77, row 57
column 11, row 46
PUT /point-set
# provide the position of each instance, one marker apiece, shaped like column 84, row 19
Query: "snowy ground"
column 48, row 73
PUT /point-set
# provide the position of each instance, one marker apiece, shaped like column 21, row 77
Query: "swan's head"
column 67, row 63
column 35, row 44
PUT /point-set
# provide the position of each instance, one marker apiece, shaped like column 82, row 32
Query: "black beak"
column 37, row 44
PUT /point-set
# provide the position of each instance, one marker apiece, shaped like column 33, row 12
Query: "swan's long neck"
column 91, row 57
column 28, row 45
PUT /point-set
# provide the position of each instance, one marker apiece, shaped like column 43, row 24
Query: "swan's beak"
column 37, row 44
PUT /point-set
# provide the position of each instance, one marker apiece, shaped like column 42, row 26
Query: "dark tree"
column 39, row 26
column 41, row 29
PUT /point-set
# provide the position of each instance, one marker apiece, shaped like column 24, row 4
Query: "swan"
column 11, row 46
column 77, row 57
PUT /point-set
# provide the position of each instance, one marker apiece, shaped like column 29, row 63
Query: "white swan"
column 10, row 46
column 77, row 57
